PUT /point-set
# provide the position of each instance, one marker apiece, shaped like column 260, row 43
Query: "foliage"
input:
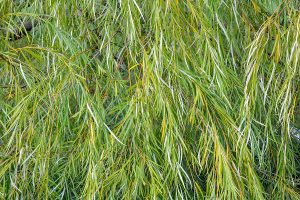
column 149, row 99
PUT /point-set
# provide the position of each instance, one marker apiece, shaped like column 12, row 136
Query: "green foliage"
column 149, row 99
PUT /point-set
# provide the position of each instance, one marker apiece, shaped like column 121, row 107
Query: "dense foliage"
column 149, row 99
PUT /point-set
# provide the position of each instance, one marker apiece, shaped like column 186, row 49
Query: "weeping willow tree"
column 149, row 99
